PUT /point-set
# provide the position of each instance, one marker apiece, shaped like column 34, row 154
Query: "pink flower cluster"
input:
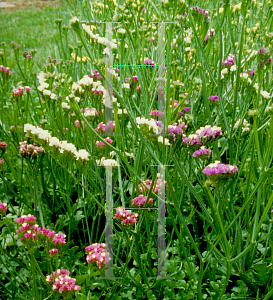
column 202, row 12
column 48, row 236
column 17, row 92
column 96, row 75
column 149, row 62
column 220, row 169
column 141, row 200
column 192, row 140
column 59, row 239
column 101, row 126
column 207, row 37
column 148, row 182
column 209, row 132
column 5, row 71
column 3, row 146
column 97, row 255
column 3, row 208
column 156, row 113
column 202, row 153
column 30, row 150
column 28, row 231
column 62, row 282
column 77, row 123
column 53, row 251
column 229, row 61
column 214, row 98
column 100, row 144
column 126, row 217
column 175, row 103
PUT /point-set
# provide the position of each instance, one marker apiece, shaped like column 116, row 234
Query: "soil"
column 11, row 5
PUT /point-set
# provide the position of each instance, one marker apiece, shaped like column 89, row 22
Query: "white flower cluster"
column 264, row 94
column 245, row 77
column 86, row 82
column 151, row 123
column 106, row 162
column 100, row 40
column 55, row 142
column 245, row 126
column 131, row 155
column 160, row 140
column 43, row 86
column 188, row 33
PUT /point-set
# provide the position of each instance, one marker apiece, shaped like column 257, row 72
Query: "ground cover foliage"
column 217, row 145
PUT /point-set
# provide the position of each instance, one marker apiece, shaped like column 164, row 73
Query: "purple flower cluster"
column 264, row 57
column 209, row 132
column 201, row 12
column 202, row 153
column 214, row 98
column 191, row 140
column 96, row 75
column 229, row 61
column 220, row 169
column 207, row 37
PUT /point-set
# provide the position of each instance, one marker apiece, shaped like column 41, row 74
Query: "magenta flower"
column 148, row 182
column 214, row 98
column 192, row 140
column 202, row 153
column 61, row 282
column 251, row 72
column 3, row 208
column 53, row 251
column 97, row 255
column 126, row 217
column 209, row 131
column 218, row 171
column 59, row 239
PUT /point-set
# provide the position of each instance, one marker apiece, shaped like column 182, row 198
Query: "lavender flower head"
column 218, row 172
column 202, row 153
column 208, row 132
column 214, row 98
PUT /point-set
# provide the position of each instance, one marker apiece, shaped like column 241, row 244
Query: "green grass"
column 33, row 29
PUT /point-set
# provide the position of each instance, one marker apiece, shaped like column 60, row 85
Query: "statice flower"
column 208, row 132
column 82, row 155
column 214, row 98
column 28, row 231
column 245, row 126
column 158, row 184
column 147, row 125
column 53, row 251
column 3, row 209
column 3, row 146
column 100, row 144
column 126, row 217
column 141, row 200
column 30, row 150
column 218, row 172
column 202, row 153
column 90, row 113
column 101, row 126
column 96, row 254
column 62, row 283
column 59, row 239
column 192, row 141
column 229, row 61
